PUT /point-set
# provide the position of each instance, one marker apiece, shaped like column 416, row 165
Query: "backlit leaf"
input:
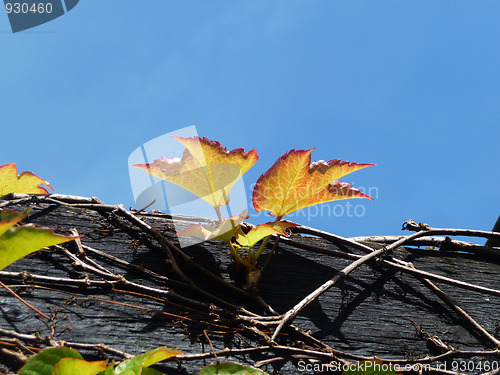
column 43, row 363
column 25, row 183
column 18, row 242
column 206, row 169
column 76, row 366
column 257, row 233
column 285, row 224
column 230, row 368
column 135, row 365
column 224, row 232
column 292, row 183
column 158, row 355
column 110, row 370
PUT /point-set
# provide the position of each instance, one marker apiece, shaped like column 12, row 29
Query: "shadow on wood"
column 373, row 312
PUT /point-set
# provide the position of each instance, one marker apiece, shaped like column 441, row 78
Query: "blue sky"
column 409, row 85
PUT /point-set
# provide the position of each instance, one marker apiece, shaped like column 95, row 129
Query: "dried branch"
column 490, row 339
column 14, row 294
column 323, row 288
column 413, row 226
column 229, row 317
column 392, row 263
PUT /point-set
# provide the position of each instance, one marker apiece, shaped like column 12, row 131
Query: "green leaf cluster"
column 67, row 361
column 18, row 241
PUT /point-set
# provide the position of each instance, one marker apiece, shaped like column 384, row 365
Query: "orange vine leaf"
column 25, row 183
column 206, row 169
column 293, row 183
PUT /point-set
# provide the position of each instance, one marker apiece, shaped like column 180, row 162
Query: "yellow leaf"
column 206, row 169
column 25, row 183
column 224, row 232
column 257, row 233
column 292, row 183
column 17, row 242
column 77, row 366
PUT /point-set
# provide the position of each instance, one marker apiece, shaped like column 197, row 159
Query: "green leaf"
column 43, row 363
column 374, row 367
column 230, row 368
column 158, row 355
column 150, row 371
column 224, row 232
column 18, row 242
column 76, row 366
column 110, row 370
column 257, row 233
column 9, row 218
column 135, row 365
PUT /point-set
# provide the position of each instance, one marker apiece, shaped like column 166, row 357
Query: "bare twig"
column 135, row 212
column 238, row 319
column 413, row 226
column 211, row 346
column 404, row 267
column 323, row 288
column 477, row 327
column 38, row 312
column 337, row 278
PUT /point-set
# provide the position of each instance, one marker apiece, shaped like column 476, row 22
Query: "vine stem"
column 217, row 211
column 292, row 313
column 393, row 263
column 477, row 327
column 25, row 302
column 234, row 253
column 424, row 230
column 266, row 240
column 323, row 288
column 413, row 226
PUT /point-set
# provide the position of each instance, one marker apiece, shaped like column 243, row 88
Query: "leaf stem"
column 262, row 246
column 266, row 240
column 251, row 255
column 234, row 253
column 217, row 211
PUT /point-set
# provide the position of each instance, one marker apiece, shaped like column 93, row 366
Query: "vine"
column 259, row 322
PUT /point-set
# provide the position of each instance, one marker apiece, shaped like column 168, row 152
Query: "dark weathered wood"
column 374, row 313
column 494, row 241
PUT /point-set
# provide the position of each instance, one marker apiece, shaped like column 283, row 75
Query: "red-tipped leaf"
column 293, row 183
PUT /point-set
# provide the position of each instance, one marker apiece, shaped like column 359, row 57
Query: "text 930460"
column 25, row 8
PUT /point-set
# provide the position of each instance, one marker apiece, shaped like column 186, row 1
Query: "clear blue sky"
column 409, row 85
